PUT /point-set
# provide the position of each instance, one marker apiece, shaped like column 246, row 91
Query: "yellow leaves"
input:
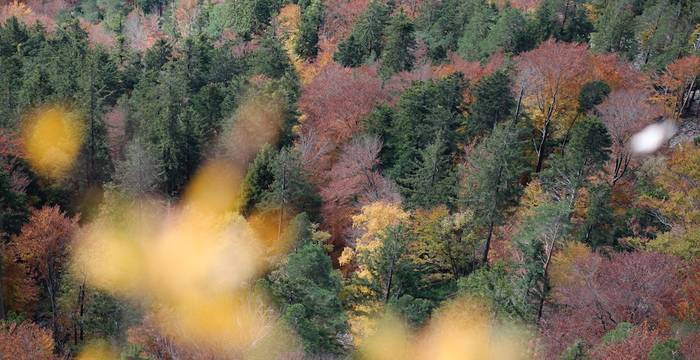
column 389, row 340
column 97, row 351
column 52, row 138
column 679, row 242
column 562, row 261
column 374, row 219
column 346, row 256
column 680, row 206
column 194, row 265
column 680, row 182
column 462, row 330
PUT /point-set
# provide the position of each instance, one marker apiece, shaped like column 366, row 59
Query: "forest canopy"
column 349, row 179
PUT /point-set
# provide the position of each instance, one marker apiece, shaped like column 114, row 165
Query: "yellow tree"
column 679, row 208
column 375, row 258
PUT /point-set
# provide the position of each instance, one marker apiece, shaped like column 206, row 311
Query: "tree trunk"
column 541, row 148
column 544, row 282
column 2, row 299
column 517, row 108
column 81, row 302
column 389, row 281
column 485, row 257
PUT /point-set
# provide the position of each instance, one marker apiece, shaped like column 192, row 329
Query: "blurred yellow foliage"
column 52, row 139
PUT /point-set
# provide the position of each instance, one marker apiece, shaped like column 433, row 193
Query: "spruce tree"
column 400, row 41
column 307, row 289
column 257, row 180
column 307, row 39
column 366, row 39
column 432, row 182
column 493, row 172
column 425, row 110
column 586, row 152
column 492, row 103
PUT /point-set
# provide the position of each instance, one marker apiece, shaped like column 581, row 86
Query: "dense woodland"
column 411, row 154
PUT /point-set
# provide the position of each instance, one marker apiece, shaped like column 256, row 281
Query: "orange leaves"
column 677, row 81
column 552, row 72
column 616, row 72
column 338, row 98
column 680, row 181
column 680, row 73
column 44, row 239
column 26, row 341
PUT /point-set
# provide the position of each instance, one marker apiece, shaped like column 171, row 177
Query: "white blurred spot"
column 652, row 137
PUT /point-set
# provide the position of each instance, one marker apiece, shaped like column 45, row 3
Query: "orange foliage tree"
column 678, row 83
column 550, row 78
column 42, row 246
column 26, row 341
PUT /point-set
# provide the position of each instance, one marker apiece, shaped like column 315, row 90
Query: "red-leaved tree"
column 599, row 293
column 338, row 99
column 354, row 181
column 625, row 112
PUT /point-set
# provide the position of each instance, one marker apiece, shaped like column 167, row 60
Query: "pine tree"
column 257, row 180
column 475, row 31
column 614, row 29
column 98, row 84
column 424, row 111
column 492, row 102
column 289, row 192
column 400, row 41
column 510, row 33
column 432, row 181
column 307, row 39
column 592, row 94
column 598, row 226
column 307, row 289
column 540, row 235
column 366, row 39
column 493, row 174
column 586, row 152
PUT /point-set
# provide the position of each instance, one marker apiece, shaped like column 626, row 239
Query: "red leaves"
column 141, row 31
column 338, row 99
column 553, row 70
column 638, row 288
column 10, row 152
column 353, row 182
column 625, row 112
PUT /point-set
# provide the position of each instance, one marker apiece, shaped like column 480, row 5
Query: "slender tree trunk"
column 81, row 302
column 544, row 282
column 389, row 281
column 541, row 147
column 2, row 299
column 517, row 108
column 485, row 257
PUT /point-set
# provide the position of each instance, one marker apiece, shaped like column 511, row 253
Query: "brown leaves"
column 25, row 341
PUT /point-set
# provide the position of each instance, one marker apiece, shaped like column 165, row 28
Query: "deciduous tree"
column 551, row 77
column 43, row 246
